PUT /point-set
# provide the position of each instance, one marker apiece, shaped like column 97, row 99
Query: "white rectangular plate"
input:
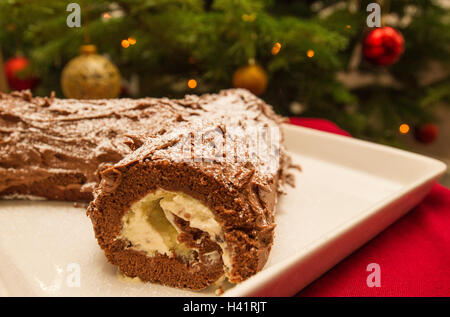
column 349, row 190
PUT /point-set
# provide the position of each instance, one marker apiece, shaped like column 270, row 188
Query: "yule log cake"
column 185, row 190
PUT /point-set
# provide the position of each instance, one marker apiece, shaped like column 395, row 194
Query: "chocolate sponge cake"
column 196, row 203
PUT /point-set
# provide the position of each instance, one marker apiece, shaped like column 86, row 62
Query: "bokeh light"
column 192, row 83
column 276, row 48
column 404, row 128
column 125, row 43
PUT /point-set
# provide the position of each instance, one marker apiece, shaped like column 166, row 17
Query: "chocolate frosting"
column 43, row 139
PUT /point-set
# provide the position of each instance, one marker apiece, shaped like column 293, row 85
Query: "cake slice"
column 195, row 204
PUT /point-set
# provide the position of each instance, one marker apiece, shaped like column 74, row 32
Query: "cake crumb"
column 219, row 291
column 79, row 205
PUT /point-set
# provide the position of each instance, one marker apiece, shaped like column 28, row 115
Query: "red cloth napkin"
column 413, row 253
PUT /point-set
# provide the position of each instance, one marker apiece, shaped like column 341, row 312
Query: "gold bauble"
column 90, row 76
column 251, row 77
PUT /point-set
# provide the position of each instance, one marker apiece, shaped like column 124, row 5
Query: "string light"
column 348, row 26
column 106, row 15
column 310, row 53
column 125, row 43
column 192, row 83
column 276, row 48
column 131, row 40
column 403, row 128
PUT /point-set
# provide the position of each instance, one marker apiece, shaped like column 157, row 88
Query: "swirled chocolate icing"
column 55, row 148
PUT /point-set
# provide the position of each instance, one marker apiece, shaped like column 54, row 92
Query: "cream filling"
column 150, row 225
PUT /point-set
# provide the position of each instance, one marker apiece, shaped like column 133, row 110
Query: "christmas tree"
column 305, row 58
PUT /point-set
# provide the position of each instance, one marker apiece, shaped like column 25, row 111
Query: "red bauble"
column 15, row 81
column 426, row 133
column 383, row 46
